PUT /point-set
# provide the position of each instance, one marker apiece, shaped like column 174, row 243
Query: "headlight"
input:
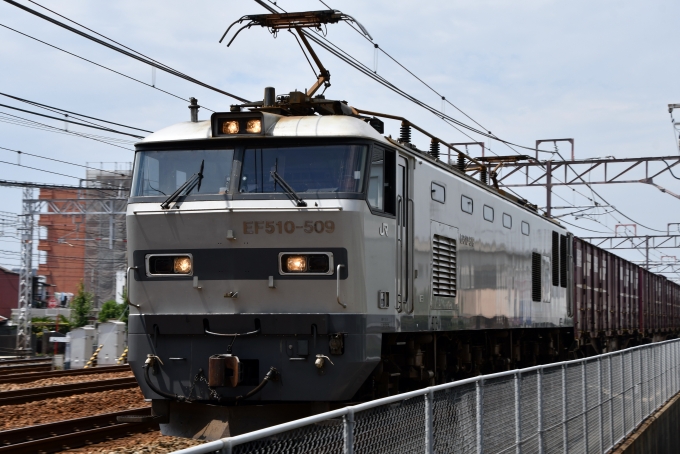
column 182, row 265
column 296, row 264
column 304, row 263
column 254, row 126
column 169, row 265
column 230, row 127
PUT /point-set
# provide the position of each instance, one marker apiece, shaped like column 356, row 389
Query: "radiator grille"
column 536, row 277
column 443, row 266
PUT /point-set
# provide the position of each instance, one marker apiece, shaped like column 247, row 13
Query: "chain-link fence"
column 582, row 406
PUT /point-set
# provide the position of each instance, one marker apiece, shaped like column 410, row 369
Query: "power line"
column 64, row 131
column 132, row 54
column 100, row 65
column 28, row 184
column 71, row 121
column 53, row 109
column 64, row 162
column 46, row 171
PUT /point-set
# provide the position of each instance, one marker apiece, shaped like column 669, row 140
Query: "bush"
column 40, row 323
column 113, row 311
column 81, row 305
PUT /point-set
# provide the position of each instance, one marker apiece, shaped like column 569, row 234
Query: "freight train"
column 286, row 257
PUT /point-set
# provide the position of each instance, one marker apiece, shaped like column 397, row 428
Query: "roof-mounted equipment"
column 297, row 21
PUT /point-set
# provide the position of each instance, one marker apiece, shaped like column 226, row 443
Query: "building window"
column 438, row 193
column 525, row 228
column 488, row 213
column 507, row 221
column 466, row 204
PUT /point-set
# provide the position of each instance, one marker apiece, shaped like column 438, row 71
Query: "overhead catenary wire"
column 59, row 110
column 101, row 66
column 72, row 122
column 64, row 131
column 132, row 54
column 112, row 172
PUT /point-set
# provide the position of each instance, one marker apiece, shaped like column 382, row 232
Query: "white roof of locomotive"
column 276, row 126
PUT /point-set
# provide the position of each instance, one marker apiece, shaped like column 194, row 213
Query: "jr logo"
column 383, row 229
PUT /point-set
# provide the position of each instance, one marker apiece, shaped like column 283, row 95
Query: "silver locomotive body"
column 245, row 296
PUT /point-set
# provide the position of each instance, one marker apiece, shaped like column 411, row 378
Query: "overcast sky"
column 601, row 72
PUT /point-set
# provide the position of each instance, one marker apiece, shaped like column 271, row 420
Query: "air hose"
column 150, row 361
column 269, row 376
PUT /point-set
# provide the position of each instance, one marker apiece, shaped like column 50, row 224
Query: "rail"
column 22, row 396
column 26, row 377
column 4, row 362
column 72, row 433
column 583, row 405
column 23, row 368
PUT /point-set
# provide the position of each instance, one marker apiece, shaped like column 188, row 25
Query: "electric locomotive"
column 286, row 257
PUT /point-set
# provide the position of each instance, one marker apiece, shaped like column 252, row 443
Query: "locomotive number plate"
column 257, row 227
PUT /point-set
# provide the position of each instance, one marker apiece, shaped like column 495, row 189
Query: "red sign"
column 52, row 302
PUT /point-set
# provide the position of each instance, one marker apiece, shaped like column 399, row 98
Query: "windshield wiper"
column 286, row 187
column 187, row 187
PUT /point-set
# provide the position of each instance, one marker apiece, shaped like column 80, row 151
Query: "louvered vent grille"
column 555, row 259
column 536, row 277
column 563, row 261
column 444, row 266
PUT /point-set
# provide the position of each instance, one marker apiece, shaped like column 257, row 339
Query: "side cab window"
column 382, row 174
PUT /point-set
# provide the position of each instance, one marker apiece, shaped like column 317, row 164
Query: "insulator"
column 434, row 149
column 482, row 175
column 405, row 133
column 461, row 162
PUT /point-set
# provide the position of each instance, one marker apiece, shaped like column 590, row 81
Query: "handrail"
column 337, row 272
column 127, row 296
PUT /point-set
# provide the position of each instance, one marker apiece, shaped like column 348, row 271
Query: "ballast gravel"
column 150, row 442
column 39, row 383
column 76, row 406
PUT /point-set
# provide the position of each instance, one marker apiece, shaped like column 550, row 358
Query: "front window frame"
column 239, row 145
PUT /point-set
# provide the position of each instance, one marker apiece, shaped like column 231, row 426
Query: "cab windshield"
column 306, row 169
column 160, row 173
column 313, row 169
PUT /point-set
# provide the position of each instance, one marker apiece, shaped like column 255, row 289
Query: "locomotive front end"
column 246, row 243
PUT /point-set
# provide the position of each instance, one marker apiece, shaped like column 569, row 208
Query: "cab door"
column 404, row 208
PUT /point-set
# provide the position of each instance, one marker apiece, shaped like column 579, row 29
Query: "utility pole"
column 23, row 345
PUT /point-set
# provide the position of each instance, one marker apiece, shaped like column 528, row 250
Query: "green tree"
column 81, row 305
column 113, row 311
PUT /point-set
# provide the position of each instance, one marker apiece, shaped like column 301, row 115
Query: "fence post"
column 518, row 414
column 539, row 410
column 675, row 367
column 633, row 386
column 654, row 405
column 599, row 402
column 584, row 406
column 479, row 387
column 565, row 433
column 429, row 429
column 611, row 402
column 623, row 396
column 227, row 449
column 349, row 431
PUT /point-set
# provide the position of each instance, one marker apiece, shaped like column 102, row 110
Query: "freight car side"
column 618, row 303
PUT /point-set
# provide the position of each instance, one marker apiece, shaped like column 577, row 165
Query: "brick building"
column 62, row 247
column 9, row 291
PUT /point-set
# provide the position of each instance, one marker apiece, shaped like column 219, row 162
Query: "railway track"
column 72, row 433
column 4, row 362
column 23, row 368
column 30, row 376
column 22, row 396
